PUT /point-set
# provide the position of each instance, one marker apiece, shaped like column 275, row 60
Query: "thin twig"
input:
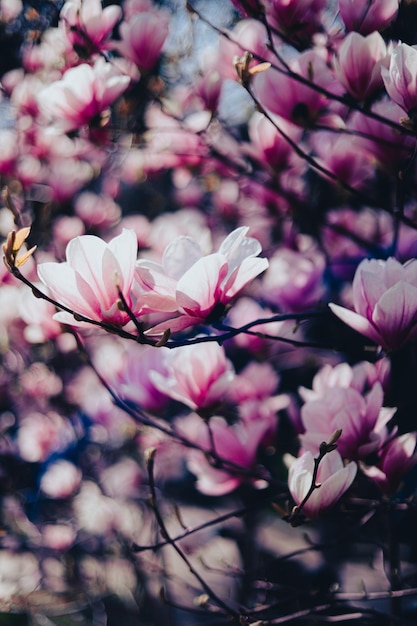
column 165, row 534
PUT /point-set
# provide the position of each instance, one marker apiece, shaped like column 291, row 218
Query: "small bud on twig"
column 164, row 338
column 14, row 242
column 243, row 70
column 149, row 455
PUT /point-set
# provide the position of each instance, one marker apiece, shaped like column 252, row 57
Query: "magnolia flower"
column 390, row 147
column 193, row 285
column 133, row 381
column 292, row 99
column 89, row 281
column 395, row 459
column 362, row 419
column 360, row 377
column 237, row 445
column 385, row 302
column 296, row 18
column 345, row 157
column 82, row 93
column 88, row 24
column 143, row 37
column 401, row 78
column 333, row 477
column 365, row 17
column 358, row 63
column 294, row 280
column 198, row 375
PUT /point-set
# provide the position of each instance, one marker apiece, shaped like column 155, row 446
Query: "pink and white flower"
column 83, row 93
column 88, row 25
column 358, row 64
column 401, row 78
column 362, row 419
column 389, row 146
column 385, row 302
column 361, row 377
column 194, row 285
column 296, row 17
column 294, row 280
column 294, row 100
column 143, row 37
column 133, row 379
column 197, row 375
column 89, row 281
column 395, row 460
column 365, row 17
column 237, row 445
column 333, row 476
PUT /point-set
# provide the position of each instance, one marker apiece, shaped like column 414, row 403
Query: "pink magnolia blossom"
column 237, row 444
column 255, row 381
column 133, row 379
column 194, row 285
column 296, row 17
column 197, row 375
column 400, row 79
column 358, row 64
column 294, row 280
column 360, row 377
column 362, row 419
column 83, row 93
column 395, row 459
column 143, row 37
column 345, row 157
column 88, row 25
column 247, row 310
column 385, row 302
column 365, row 17
column 389, row 146
column 334, row 477
column 292, row 99
column 208, row 87
column 89, row 281
column 268, row 145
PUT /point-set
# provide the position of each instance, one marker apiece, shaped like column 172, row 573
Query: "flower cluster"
column 208, row 309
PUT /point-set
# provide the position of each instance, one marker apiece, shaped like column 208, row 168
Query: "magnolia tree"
column 208, row 312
